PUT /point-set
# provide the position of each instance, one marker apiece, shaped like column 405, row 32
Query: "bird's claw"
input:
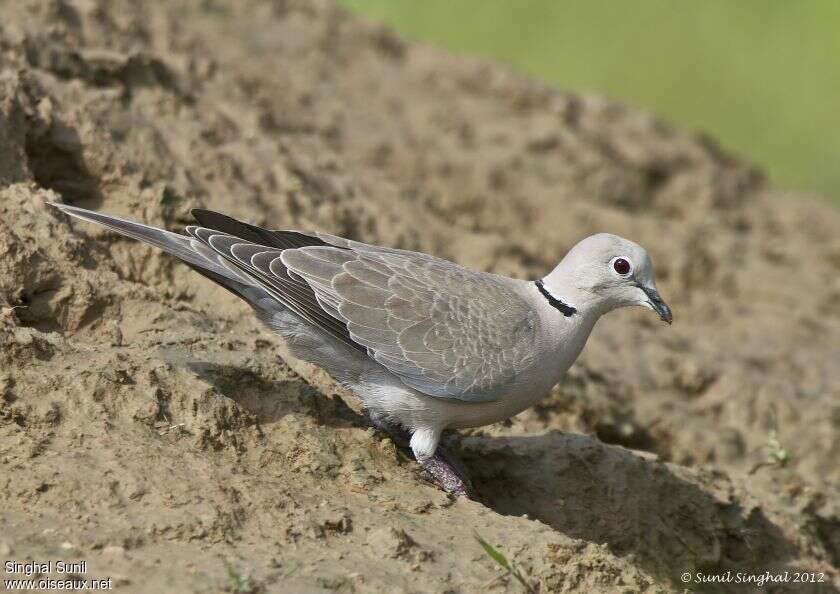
column 444, row 475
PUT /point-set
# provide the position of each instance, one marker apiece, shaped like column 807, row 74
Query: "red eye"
column 621, row 266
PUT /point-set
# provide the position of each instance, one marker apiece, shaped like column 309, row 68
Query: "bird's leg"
column 444, row 475
column 455, row 463
column 438, row 464
column 443, row 468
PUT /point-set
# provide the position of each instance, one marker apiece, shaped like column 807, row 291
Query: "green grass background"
column 761, row 76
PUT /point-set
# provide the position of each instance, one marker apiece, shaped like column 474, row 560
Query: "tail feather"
column 173, row 243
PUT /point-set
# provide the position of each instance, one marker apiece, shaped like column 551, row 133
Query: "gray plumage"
column 426, row 344
column 417, row 316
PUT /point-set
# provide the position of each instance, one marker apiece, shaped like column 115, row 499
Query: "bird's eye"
column 621, row 266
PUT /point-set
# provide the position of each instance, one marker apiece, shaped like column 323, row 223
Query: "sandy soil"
column 150, row 426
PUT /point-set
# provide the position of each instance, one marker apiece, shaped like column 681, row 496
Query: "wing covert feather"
column 444, row 330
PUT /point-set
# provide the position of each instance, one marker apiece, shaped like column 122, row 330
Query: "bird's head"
column 604, row 272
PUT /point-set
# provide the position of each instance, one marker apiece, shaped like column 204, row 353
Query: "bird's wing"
column 444, row 330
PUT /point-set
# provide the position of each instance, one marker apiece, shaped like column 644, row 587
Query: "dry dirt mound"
column 148, row 425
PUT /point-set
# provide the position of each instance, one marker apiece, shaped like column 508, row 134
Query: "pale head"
column 604, row 272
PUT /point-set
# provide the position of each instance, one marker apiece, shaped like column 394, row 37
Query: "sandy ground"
column 150, row 426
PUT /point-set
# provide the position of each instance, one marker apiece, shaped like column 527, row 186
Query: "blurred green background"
column 761, row 76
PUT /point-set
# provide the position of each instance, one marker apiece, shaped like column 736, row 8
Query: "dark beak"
column 657, row 304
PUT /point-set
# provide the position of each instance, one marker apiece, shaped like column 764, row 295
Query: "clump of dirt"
column 148, row 425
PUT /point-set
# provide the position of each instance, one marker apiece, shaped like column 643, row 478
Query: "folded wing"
column 445, row 330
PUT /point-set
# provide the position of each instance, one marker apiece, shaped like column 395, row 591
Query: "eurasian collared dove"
column 424, row 343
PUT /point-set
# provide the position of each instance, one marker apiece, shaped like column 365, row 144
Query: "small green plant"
column 291, row 568
column 503, row 562
column 777, row 455
column 239, row 583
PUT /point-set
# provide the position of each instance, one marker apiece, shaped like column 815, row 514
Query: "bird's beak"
column 655, row 302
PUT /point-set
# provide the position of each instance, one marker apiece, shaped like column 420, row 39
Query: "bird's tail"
column 184, row 247
column 270, row 294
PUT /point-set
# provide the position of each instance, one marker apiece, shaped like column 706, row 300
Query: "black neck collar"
column 566, row 310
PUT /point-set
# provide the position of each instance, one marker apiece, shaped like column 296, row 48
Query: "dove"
column 425, row 344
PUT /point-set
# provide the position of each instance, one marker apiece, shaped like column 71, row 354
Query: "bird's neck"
column 565, row 336
column 571, row 302
column 555, row 301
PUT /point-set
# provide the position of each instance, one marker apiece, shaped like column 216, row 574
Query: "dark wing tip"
column 225, row 224
column 278, row 239
column 211, row 218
